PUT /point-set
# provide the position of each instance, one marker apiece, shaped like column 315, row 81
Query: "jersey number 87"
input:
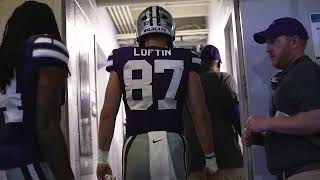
column 144, row 84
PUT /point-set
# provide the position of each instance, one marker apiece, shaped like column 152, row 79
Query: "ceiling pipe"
column 115, row 21
column 129, row 2
column 131, row 19
column 127, row 19
column 117, row 18
column 122, row 19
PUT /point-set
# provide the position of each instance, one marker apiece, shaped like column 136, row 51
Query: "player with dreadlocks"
column 33, row 71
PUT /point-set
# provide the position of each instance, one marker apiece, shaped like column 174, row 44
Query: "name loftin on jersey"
column 148, row 52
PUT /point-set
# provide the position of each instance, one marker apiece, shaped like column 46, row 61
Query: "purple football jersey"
column 18, row 135
column 153, row 84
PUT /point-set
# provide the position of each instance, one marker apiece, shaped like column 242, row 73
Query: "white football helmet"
column 155, row 19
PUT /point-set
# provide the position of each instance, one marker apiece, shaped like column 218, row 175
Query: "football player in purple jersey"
column 33, row 71
column 154, row 80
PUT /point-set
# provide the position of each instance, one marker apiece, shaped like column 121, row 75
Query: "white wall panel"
column 87, row 26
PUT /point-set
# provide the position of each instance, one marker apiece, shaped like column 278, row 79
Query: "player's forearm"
column 54, row 151
column 51, row 140
column 200, row 114
column 304, row 123
column 106, row 129
column 204, row 132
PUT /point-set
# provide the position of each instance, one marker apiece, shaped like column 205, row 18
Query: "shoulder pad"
column 45, row 47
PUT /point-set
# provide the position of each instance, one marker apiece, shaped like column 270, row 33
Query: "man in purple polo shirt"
column 291, row 134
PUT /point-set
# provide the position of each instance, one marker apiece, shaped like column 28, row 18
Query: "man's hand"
column 109, row 177
column 209, row 174
column 246, row 137
column 254, row 125
column 102, row 170
column 257, row 124
column 211, row 168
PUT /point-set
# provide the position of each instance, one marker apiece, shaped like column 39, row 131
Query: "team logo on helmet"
column 155, row 19
column 153, row 29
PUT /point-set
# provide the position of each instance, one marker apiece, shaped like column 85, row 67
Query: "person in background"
column 154, row 80
column 222, row 103
column 33, row 72
column 291, row 134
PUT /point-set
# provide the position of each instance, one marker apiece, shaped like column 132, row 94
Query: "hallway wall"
column 90, row 39
column 219, row 13
column 225, row 35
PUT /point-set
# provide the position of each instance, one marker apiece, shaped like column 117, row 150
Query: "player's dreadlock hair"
column 31, row 18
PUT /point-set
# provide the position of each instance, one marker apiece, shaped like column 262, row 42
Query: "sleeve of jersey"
column 48, row 51
column 111, row 66
column 195, row 62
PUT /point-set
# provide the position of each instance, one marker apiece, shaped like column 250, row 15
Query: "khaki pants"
column 223, row 174
column 307, row 175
